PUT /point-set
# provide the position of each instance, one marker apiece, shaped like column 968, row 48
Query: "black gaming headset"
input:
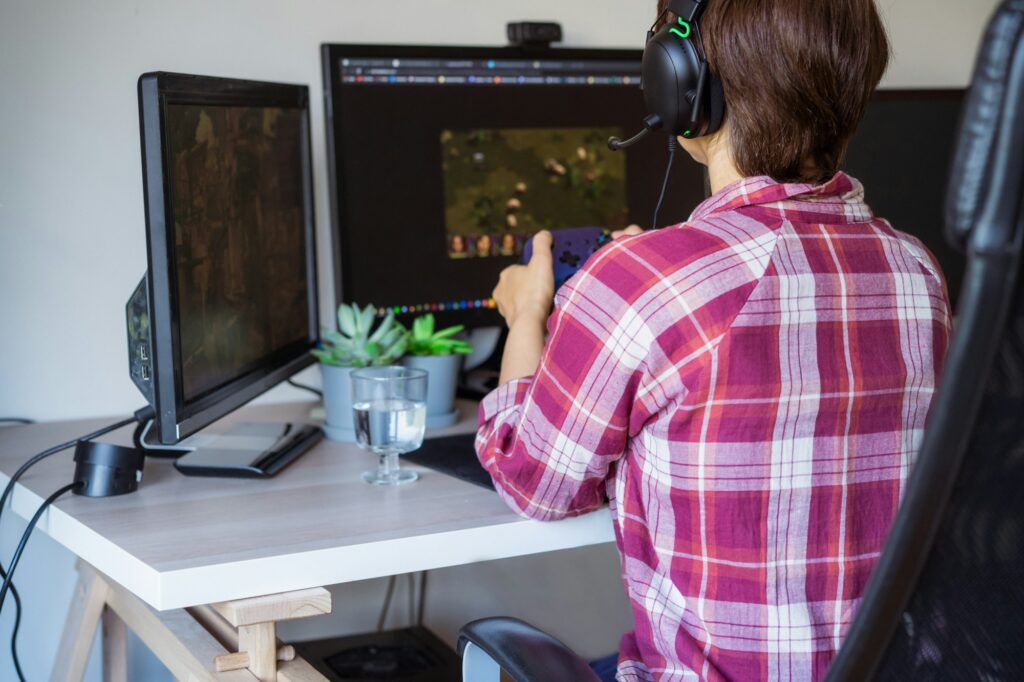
column 683, row 96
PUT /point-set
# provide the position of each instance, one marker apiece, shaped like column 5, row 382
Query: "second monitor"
column 444, row 161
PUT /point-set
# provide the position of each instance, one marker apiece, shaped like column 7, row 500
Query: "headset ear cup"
column 716, row 105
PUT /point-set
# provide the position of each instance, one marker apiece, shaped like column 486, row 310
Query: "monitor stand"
column 247, row 450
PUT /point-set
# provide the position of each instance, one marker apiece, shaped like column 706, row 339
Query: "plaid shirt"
column 748, row 391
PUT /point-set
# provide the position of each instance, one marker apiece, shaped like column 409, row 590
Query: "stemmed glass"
column 391, row 416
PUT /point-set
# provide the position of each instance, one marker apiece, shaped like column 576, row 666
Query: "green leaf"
column 347, row 320
column 384, row 327
column 334, row 337
column 365, row 321
column 417, row 328
column 450, row 331
column 392, row 337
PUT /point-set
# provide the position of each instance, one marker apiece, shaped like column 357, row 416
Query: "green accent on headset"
column 687, row 133
column 685, row 33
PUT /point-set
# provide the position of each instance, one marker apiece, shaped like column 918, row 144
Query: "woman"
column 747, row 389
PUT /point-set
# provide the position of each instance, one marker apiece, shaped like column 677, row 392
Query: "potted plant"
column 354, row 345
column 440, row 353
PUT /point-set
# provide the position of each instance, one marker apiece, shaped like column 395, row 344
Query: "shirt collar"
column 840, row 200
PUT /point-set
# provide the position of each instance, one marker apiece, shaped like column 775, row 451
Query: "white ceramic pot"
column 339, row 424
column 442, row 381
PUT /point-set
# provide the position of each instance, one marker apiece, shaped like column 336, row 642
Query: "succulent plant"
column 358, row 344
column 423, row 340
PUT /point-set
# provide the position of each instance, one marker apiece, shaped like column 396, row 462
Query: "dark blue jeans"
column 605, row 667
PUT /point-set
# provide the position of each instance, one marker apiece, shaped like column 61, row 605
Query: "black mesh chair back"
column 946, row 601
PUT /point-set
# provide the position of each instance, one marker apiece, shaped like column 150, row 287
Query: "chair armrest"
column 524, row 652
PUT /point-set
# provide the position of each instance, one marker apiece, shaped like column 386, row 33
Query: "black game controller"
column 570, row 249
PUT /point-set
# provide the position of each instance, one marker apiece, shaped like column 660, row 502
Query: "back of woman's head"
column 797, row 77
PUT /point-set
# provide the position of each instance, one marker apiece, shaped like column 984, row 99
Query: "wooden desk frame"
column 231, row 641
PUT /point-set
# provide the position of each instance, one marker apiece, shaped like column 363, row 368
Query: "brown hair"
column 797, row 77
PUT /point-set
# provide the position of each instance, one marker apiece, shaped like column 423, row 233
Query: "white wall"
column 72, row 242
column 72, row 228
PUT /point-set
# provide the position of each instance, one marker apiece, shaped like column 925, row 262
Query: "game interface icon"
column 571, row 247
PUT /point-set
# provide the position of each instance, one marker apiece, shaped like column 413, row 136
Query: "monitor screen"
column 231, row 303
column 444, row 161
column 903, row 152
column 235, row 181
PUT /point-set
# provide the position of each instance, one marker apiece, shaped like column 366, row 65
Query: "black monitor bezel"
column 331, row 56
column 177, row 418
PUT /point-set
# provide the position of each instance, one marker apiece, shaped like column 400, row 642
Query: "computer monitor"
column 444, row 160
column 903, row 152
column 228, row 307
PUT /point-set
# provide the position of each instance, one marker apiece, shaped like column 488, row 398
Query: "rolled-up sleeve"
column 550, row 440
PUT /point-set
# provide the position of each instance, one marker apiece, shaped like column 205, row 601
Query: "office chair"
column 946, row 600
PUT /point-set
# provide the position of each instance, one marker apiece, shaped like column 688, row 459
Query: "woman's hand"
column 630, row 231
column 527, row 291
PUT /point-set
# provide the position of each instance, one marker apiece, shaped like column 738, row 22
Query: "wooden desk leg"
column 115, row 648
column 256, row 622
column 187, row 642
column 80, row 628
column 260, row 642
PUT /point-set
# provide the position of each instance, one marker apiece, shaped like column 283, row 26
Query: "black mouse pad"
column 452, row 455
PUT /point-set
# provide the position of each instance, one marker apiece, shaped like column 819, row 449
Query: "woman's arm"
column 523, row 296
column 560, row 420
column 523, row 348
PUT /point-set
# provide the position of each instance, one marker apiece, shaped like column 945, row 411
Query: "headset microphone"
column 652, row 122
column 682, row 93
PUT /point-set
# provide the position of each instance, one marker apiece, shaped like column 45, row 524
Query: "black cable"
column 315, row 391
column 15, row 420
column 387, row 604
column 14, row 633
column 57, row 448
column 411, row 606
column 24, row 538
column 423, row 598
column 144, row 413
column 672, row 146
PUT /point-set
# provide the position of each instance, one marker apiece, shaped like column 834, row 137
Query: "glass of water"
column 391, row 415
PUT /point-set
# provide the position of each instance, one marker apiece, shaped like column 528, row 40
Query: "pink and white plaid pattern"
column 748, row 391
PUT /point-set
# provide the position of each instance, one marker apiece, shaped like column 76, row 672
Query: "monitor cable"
column 144, row 414
column 9, row 577
column 422, row 598
column 315, row 391
column 382, row 619
column 673, row 145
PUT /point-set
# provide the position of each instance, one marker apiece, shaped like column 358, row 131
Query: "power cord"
column 144, row 414
column 387, row 603
column 14, row 631
column 24, row 538
column 315, row 391
column 673, row 145
column 417, row 599
column 423, row 598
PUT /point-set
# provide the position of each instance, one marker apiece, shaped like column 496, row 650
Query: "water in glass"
column 384, row 426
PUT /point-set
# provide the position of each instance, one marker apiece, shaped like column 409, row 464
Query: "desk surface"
column 181, row 541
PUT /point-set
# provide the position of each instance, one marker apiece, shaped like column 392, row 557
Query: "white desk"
column 185, row 541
